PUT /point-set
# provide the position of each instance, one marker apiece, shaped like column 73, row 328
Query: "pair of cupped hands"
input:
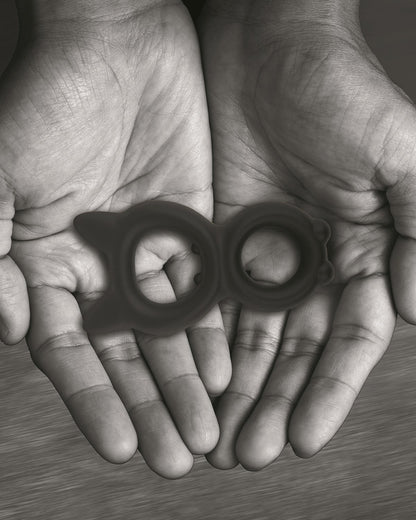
column 106, row 105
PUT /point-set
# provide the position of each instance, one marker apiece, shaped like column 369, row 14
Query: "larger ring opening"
column 167, row 266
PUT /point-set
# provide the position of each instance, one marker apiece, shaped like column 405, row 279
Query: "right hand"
column 303, row 113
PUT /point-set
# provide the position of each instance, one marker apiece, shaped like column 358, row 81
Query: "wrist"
column 277, row 13
column 114, row 29
column 118, row 32
column 86, row 10
column 83, row 18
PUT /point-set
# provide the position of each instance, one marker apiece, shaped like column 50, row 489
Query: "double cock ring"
column 123, row 306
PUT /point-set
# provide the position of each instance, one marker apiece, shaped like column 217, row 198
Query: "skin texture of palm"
column 101, row 113
column 302, row 112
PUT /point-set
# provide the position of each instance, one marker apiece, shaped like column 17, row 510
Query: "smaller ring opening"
column 269, row 256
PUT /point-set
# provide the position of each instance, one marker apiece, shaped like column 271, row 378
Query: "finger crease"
column 182, row 377
column 337, row 381
column 89, row 390
column 352, row 332
column 279, row 397
column 137, row 408
column 301, row 346
column 241, row 394
column 256, row 335
column 256, row 349
column 122, row 352
column 179, row 257
column 65, row 340
column 148, row 275
column 145, row 340
column 292, row 354
column 206, row 329
column 88, row 297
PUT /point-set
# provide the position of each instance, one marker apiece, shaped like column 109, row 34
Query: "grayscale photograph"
column 207, row 260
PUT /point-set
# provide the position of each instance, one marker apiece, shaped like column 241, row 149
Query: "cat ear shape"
column 321, row 230
column 98, row 228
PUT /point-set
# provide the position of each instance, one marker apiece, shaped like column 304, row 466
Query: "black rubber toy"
column 117, row 235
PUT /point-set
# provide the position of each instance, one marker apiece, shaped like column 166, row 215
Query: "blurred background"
column 49, row 472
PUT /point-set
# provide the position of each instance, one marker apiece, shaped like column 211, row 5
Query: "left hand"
column 102, row 109
column 302, row 112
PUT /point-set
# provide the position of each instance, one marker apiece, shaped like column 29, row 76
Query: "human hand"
column 104, row 107
column 302, row 112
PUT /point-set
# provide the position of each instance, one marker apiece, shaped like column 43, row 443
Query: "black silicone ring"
column 299, row 227
column 117, row 235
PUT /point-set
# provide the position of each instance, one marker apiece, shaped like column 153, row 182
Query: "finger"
column 257, row 339
column 230, row 309
column 264, row 435
column 61, row 349
column 158, row 439
column 253, row 355
column 172, row 365
column 362, row 330
column 403, row 278
column 396, row 169
column 210, row 351
column 230, row 312
column 402, row 197
column 14, row 302
column 207, row 337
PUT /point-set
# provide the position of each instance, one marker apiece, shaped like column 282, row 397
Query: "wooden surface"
column 48, row 472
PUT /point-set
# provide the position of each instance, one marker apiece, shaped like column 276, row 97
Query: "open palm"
column 302, row 112
column 105, row 120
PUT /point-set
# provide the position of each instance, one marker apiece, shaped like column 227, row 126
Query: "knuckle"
column 329, row 383
column 279, row 400
column 257, row 341
column 242, row 396
column 137, row 408
column 356, row 332
column 184, row 255
column 229, row 308
column 301, row 346
column 73, row 340
column 367, row 342
column 181, row 378
column 127, row 351
column 89, row 390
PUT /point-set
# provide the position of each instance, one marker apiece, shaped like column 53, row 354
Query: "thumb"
column 397, row 169
column 14, row 303
column 402, row 199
